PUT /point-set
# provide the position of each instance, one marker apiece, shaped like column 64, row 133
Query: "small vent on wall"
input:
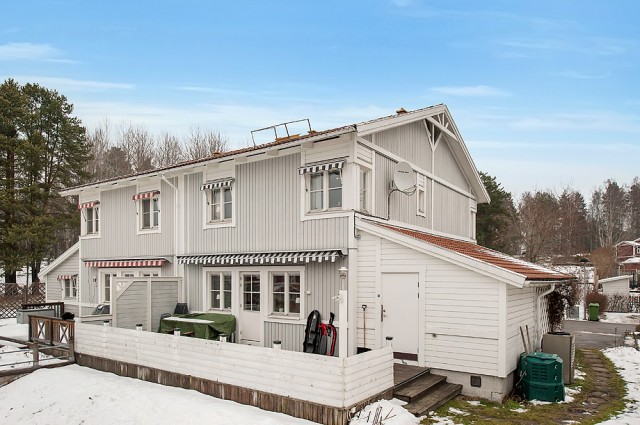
column 476, row 381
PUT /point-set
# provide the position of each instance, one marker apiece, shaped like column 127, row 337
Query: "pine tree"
column 495, row 221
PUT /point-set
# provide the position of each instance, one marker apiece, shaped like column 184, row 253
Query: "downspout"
column 539, row 313
column 175, row 230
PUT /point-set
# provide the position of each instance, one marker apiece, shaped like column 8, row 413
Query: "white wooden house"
column 262, row 232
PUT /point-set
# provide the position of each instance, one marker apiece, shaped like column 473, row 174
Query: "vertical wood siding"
column 290, row 334
column 451, row 211
column 119, row 224
column 408, row 141
column 268, row 205
column 403, row 207
column 367, row 272
column 447, row 167
column 323, row 281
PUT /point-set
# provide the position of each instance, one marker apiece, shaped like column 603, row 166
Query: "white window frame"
column 70, row 288
column 221, row 292
column 285, row 312
column 421, row 196
column 365, row 174
column 223, row 221
column 472, row 223
column 636, row 250
column 95, row 212
column 153, row 214
column 325, row 191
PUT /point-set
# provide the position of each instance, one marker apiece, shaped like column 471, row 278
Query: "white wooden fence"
column 330, row 381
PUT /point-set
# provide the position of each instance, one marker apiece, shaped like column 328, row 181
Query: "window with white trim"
column 421, row 196
column 71, row 288
column 286, row 292
column 90, row 213
column 251, row 291
column 148, row 210
column 364, row 179
column 150, row 214
column 219, row 201
column 325, row 190
column 220, row 292
column 105, row 291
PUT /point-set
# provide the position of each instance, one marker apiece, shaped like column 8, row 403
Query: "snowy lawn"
column 10, row 328
column 627, row 361
column 623, row 318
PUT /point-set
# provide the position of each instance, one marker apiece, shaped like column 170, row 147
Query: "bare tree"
column 203, row 143
column 538, row 223
column 99, row 141
column 168, row 151
column 633, row 196
column 138, row 144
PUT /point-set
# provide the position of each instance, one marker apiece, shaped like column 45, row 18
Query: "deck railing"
column 58, row 307
column 51, row 330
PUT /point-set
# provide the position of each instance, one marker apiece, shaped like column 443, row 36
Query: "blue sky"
column 545, row 93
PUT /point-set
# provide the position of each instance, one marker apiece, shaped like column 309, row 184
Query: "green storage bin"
column 594, row 310
column 542, row 377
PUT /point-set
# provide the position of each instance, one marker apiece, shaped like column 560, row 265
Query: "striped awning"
column 325, row 166
column 90, row 204
column 146, row 195
column 67, row 276
column 262, row 258
column 216, row 184
column 158, row 262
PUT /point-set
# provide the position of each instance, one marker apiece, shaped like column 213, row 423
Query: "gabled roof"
column 366, row 127
column 55, row 263
column 530, row 271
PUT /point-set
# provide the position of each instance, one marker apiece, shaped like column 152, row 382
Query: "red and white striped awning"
column 90, row 204
column 158, row 262
column 146, row 195
column 66, row 276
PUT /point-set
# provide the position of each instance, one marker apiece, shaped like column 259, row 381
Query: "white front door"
column 250, row 322
column 400, row 316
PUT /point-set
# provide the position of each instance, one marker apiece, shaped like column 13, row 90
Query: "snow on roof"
column 576, row 270
column 529, row 270
column 632, row 260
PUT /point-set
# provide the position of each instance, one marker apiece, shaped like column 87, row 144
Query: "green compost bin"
column 594, row 310
column 541, row 375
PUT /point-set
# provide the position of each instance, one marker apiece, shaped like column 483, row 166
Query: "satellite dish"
column 403, row 176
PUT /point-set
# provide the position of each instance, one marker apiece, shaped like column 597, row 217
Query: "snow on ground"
column 627, row 360
column 79, row 395
column 12, row 357
column 10, row 328
column 391, row 412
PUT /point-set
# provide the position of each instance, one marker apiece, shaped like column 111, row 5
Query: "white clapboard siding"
column 408, row 141
column 451, row 211
column 336, row 382
column 461, row 312
column 54, row 287
column 521, row 305
column 366, row 290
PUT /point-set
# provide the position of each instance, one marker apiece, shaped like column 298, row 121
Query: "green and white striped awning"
column 216, row 184
column 266, row 258
column 325, row 166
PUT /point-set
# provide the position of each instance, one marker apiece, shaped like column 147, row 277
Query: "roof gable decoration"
column 146, row 195
column 324, row 166
column 217, row 184
column 90, row 204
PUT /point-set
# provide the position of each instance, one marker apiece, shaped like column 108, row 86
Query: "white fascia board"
column 68, row 253
column 469, row 263
column 178, row 170
column 615, row 279
column 398, row 120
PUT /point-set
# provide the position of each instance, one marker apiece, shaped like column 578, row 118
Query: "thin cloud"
column 582, row 76
column 29, row 51
column 70, row 84
column 471, row 91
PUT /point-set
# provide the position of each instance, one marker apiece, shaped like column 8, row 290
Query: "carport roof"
column 530, row 271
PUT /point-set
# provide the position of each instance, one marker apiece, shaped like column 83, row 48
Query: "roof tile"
column 529, row 270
